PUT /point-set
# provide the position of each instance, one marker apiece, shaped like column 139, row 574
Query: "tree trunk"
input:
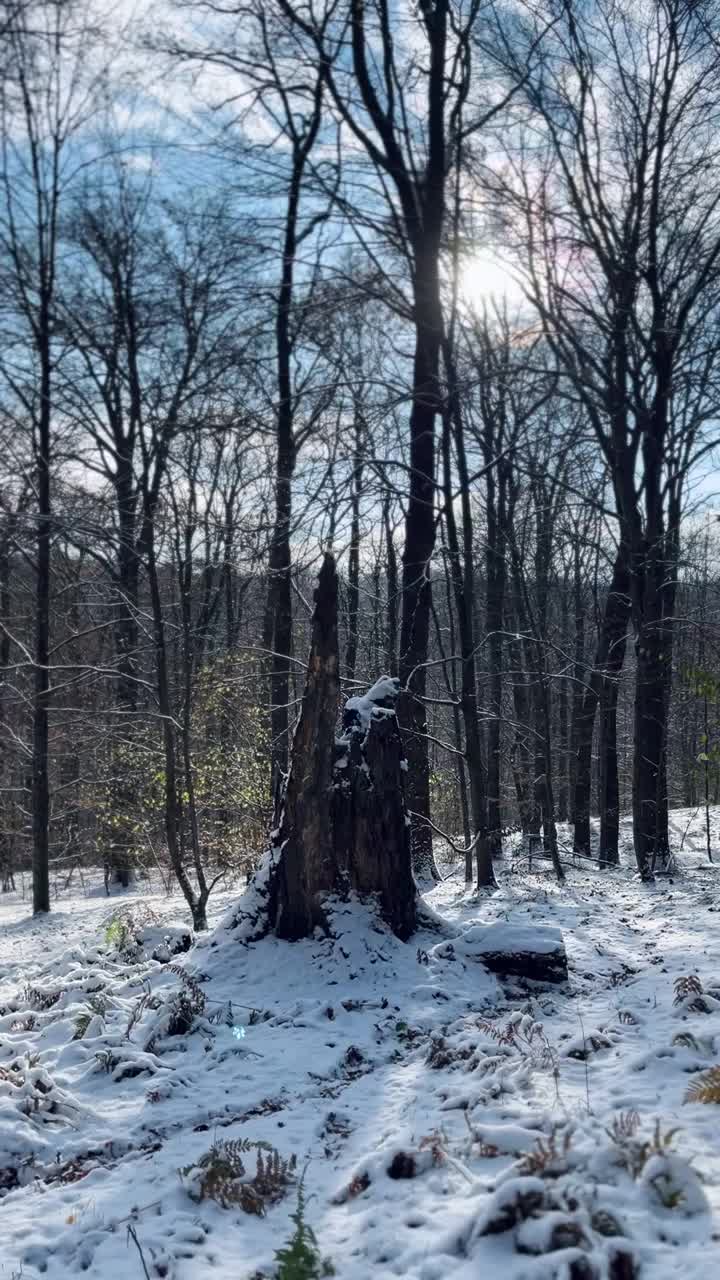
column 462, row 573
column 417, row 554
column 344, row 821
column 393, row 593
column 353, row 589
column 495, row 568
column 306, row 870
column 602, row 688
column 172, row 809
column 40, row 737
column 608, row 782
column 652, row 656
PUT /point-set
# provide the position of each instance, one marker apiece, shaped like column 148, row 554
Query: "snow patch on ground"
column 450, row 1124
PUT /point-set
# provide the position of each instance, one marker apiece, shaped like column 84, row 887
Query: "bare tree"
column 623, row 235
column 47, row 94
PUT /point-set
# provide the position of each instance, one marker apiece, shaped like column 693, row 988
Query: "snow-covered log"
column 536, row 952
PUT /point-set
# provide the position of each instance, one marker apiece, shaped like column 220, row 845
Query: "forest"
column 359, row 544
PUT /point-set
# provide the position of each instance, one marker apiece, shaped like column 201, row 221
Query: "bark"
column 172, row 807
column 353, row 588
column 6, row 840
column 608, row 781
column 372, row 846
column 565, row 734
column 496, row 571
column 460, row 548
column 653, row 656
column 579, row 669
column 601, row 690
column 40, row 725
column 393, row 593
column 307, row 871
column 277, row 637
column 342, row 828
column 417, row 554
column 524, row 792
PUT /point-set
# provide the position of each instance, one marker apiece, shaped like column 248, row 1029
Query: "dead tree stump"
column 343, row 826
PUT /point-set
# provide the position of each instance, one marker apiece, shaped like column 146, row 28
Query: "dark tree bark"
column 343, row 825
column 462, row 572
column 601, row 689
column 40, row 743
column 197, row 902
column 301, row 133
column 391, row 633
column 353, row 588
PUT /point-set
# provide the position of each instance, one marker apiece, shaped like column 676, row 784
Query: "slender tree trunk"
column 601, row 689
column 650, row 708
column 462, row 573
column 417, row 553
column 277, row 635
column 608, row 780
column 6, row 851
column 578, row 701
column 40, row 737
column 564, row 764
column 393, row 593
column 496, row 571
column 354, row 556
column 524, row 791
column 172, row 808
column 460, row 758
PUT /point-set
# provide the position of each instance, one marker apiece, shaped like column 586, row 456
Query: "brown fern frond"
column 690, row 985
column 222, row 1175
column 503, row 1035
column 625, row 1125
column 549, row 1156
column 192, row 986
column 706, row 1088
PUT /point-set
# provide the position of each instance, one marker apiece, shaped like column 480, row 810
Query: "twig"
column 458, row 848
column 132, row 1234
column 587, row 1068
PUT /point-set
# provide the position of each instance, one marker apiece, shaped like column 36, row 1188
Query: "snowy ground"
column 450, row 1126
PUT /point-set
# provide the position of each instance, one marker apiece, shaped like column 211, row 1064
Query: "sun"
column 487, row 281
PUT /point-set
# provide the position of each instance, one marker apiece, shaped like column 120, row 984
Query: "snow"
column 478, row 940
column 359, row 710
column 450, row 1124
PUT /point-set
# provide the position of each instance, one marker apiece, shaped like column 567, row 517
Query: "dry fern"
column 191, row 985
column 524, row 1035
column 687, row 986
column 706, row 1088
column 220, row 1175
column 635, row 1152
column 548, row 1157
column 625, row 1125
column 41, row 999
column 504, row 1035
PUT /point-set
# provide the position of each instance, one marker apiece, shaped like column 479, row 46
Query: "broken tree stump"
column 343, row 825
